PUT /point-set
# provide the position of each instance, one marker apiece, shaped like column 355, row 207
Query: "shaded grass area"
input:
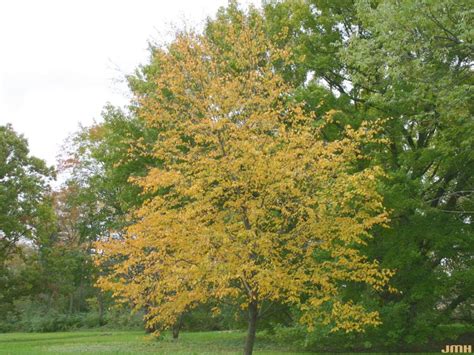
column 134, row 342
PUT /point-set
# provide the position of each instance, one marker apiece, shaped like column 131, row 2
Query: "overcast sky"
column 61, row 61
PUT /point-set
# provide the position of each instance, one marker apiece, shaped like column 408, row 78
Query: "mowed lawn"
column 133, row 342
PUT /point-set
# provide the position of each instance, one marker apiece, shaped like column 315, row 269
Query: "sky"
column 62, row 61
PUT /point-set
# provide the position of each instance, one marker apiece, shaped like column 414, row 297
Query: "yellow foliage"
column 251, row 204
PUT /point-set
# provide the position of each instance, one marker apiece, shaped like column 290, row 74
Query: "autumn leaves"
column 251, row 204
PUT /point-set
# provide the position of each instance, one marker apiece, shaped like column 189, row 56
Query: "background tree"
column 411, row 62
column 23, row 185
column 24, row 212
column 97, row 195
column 99, row 161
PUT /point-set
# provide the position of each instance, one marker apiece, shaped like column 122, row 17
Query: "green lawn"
column 132, row 342
column 137, row 342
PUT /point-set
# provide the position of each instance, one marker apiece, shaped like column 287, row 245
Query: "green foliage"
column 38, row 315
column 25, row 216
column 22, row 192
column 101, row 159
column 415, row 57
column 409, row 62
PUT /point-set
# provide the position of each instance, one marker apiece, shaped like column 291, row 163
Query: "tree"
column 25, row 214
column 99, row 161
column 250, row 204
column 420, row 74
column 23, row 189
column 97, row 195
column 409, row 61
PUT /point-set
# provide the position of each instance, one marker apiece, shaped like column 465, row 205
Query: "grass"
column 132, row 342
column 137, row 342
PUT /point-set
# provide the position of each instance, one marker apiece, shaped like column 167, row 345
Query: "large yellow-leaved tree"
column 251, row 204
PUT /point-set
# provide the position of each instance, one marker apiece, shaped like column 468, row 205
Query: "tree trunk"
column 100, row 303
column 71, row 302
column 148, row 329
column 252, row 329
column 177, row 327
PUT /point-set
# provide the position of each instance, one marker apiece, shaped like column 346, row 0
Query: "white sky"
column 62, row 61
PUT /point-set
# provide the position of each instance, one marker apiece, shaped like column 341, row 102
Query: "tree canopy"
column 24, row 185
column 251, row 203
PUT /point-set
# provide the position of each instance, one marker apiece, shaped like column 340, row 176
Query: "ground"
column 131, row 342
column 137, row 342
